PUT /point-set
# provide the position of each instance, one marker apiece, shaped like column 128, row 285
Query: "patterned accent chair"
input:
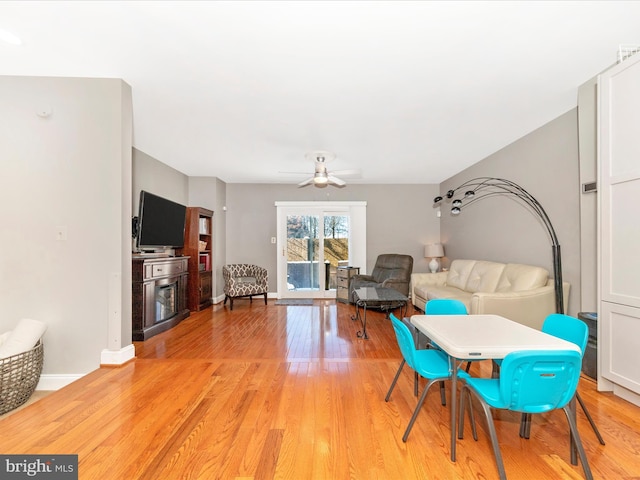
column 244, row 280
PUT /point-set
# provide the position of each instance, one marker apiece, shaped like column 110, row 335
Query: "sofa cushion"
column 517, row 278
column 450, row 292
column 484, row 277
column 459, row 273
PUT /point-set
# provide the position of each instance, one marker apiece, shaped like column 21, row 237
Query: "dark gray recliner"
column 392, row 270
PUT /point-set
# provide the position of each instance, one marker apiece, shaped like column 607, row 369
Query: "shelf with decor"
column 198, row 245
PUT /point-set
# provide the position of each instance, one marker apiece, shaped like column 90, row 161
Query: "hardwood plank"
column 290, row 392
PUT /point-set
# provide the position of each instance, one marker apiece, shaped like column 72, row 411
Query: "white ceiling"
column 407, row 92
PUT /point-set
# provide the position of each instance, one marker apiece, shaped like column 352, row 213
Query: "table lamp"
column 434, row 251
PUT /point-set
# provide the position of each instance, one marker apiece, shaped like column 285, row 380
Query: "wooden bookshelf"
column 198, row 245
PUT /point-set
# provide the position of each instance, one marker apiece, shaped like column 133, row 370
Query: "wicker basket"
column 19, row 375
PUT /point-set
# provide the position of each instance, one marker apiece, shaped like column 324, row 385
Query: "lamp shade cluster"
column 476, row 189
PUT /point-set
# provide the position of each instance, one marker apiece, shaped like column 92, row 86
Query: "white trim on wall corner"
column 51, row 382
column 117, row 357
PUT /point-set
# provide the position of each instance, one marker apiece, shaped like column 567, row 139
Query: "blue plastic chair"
column 437, row 307
column 445, row 306
column 429, row 363
column 575, row 331
column 534, row 381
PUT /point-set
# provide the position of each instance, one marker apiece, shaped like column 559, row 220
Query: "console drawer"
column 159, row 270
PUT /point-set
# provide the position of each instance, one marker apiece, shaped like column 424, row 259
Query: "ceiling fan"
column 322, row 177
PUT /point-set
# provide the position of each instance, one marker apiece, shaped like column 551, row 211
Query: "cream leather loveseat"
column 523, row 293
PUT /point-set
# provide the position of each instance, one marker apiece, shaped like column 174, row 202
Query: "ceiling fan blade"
column 308, row 181
column 354, row 172
column 336, row 181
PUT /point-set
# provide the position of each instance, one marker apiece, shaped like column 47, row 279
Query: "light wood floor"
column 290, row 392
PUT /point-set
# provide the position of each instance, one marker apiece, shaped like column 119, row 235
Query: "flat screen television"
column 160, row 222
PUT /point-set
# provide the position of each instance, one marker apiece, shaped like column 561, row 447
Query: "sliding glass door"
column 313, row 241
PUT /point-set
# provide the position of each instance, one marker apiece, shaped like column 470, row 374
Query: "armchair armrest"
column 261, row 275
column 399, row 284
column 358, row 281
column 362, row 278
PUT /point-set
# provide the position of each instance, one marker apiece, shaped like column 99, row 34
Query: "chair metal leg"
column 525, row 424
column 416, row 378
column 494, row 439
column 417, row 410
column 593, row 425
column 472, row 419
column 395, row 379
column 443, row 396
column 578, row 443
column 495, row 370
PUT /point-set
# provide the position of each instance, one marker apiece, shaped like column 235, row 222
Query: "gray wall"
column 399, row 217
column 545, row 163
column 399, row 220
column 152, row 175
column 155, row 177
column 68, row 171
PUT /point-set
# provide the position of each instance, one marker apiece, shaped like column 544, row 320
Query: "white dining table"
column 478, row 337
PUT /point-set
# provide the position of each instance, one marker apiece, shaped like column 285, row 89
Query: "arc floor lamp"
column 483, row 187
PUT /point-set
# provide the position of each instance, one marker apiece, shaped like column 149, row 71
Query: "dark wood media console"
column 159, row 294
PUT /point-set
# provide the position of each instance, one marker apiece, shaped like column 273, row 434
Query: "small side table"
column 385, row 299
column 344, row 276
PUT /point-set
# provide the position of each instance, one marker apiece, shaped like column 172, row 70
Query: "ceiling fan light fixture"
column 320, row 178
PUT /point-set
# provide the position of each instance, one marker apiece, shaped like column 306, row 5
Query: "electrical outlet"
column 273, row 239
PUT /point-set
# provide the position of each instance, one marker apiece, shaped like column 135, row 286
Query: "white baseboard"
column 220, row 298
column 56, row 382
column 49, row 382
column 118, row 357
column 628, row 395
